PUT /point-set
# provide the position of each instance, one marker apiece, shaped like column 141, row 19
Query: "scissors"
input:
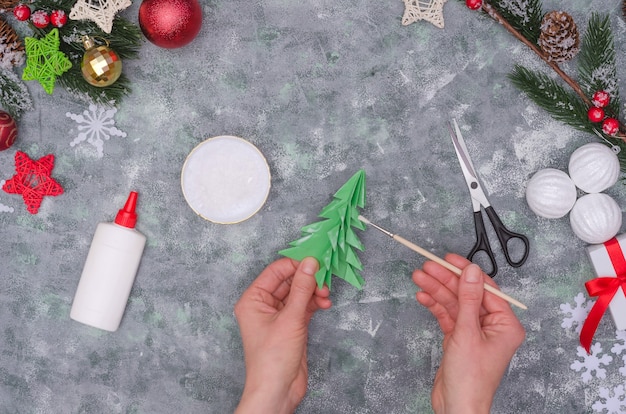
column 479, row 199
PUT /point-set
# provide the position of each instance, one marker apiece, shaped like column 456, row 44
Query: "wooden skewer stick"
column 442, row 262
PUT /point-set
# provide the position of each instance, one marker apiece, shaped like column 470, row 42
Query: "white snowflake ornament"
column 429, row 10
column 101, row 12
column 575, row 315
column 591, row 363
column 613, row 404
column 97, row 125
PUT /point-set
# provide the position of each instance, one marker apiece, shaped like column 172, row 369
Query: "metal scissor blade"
column 461, row 149
column 471, row 178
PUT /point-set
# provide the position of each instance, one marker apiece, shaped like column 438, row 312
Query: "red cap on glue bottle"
column 126, row 216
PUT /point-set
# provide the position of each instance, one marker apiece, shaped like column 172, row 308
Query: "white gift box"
column 603, row 267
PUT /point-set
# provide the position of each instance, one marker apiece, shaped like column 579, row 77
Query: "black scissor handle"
column 482, row 243
column 505, row 235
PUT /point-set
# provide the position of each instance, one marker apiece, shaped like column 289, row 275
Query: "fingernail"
column 473, row 274
column 309, row 265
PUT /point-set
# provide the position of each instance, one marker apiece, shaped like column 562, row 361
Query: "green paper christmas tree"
column 333, row 240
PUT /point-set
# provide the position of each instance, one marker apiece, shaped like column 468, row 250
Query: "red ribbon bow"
column 605, row 288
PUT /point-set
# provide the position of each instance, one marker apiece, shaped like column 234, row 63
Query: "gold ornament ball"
column 101, row 66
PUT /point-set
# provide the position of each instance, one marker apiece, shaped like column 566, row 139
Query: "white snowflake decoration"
column 618, row 348
column 3, row 208
column 615, row 404
column 591, row 363
column 575, row 315
column 98, row 126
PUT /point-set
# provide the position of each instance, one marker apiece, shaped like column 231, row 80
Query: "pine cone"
column 559, row 38
column 8, row 4
column 11, row 48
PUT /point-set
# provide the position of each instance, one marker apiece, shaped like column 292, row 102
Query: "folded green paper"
column 332, row 241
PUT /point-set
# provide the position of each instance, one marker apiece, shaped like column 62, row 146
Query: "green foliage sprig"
column 125, row 39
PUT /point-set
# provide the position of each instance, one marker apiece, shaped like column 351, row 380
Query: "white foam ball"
column 550, row 193
column 596, row 218
column 594, row 167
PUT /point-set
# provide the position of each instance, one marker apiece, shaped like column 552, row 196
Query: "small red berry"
column 40, row 19
column 610, row 126
column 474, row 4
column 595, row 114
column 58, row 18
column 21, row 12
column 601, row 99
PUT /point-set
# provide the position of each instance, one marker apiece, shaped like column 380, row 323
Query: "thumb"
column 470, row 296
column 303, row 285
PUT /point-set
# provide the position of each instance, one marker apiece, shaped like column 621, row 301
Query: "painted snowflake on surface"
column 3, row 208
column 98, row 125
column 575, row 315
column 591, row 363
column 612, row 404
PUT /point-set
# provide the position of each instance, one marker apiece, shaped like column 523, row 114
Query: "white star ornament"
column 429, row 10
column 101, row 12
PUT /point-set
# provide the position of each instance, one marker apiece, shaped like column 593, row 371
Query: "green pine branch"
column 14, row 96
column 125, row 39
column 524, row 15
column 597, row 69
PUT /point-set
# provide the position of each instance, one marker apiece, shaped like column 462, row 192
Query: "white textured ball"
column 596, row 218
column 594, row 167
column 550, row 193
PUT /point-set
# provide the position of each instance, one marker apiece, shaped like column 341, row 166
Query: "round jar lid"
column 225, row 179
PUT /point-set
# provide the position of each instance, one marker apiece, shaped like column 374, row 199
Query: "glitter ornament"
column 40, row 19
column 596, row 218
column 595, row 114
column 8, row 130
column 474, row 4
column 601, row 99
column 170, row 23
column 21, row 12
column 610, row 126
column 594, row 167
column 58, row 18
column 100, row 66
column 550, row 193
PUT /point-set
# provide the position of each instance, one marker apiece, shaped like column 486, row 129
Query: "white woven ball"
column 594, row 167
column 596, row 218
column 550, row 193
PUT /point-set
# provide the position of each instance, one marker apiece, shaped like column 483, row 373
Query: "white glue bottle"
column 109, row 270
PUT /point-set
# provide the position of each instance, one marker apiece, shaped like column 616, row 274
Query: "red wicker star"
column 32, row 180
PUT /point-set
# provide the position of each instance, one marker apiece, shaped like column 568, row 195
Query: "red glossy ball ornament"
column 610, row 126
column 21, row 12
column 595, row 114
column 170, row 23
column 474, row 4
column 8, row 130
column 40, row 19
column 58, row 18
column 601, row 99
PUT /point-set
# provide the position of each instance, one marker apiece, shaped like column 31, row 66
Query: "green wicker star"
column 44, row 61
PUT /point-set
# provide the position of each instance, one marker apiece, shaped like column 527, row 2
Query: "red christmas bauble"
column 58, row 18
column 8, row 130
column 595, row 114
column 474, row 4
column 40, row 19
column 21, row 12
column 170, row 23
column 610, row 126
column 601, row 99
